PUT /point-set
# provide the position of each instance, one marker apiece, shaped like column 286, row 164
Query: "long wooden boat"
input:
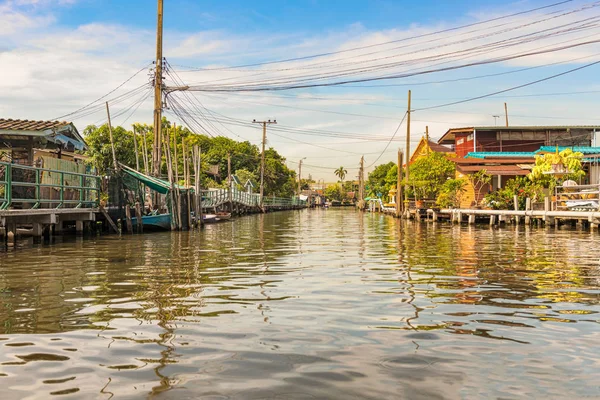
column 223, row 216
column 154, row 222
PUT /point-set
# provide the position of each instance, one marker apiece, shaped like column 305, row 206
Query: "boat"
column 209, row 218
column 157, row 222
column 223, row 216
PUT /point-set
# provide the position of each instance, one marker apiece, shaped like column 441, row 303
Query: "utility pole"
column 229, row 180
column 361, row 182
column 506, row 113
column 112, row 143
column 156, row 151
column 407, row 142
column 262, row 158
column 300, row 176
column 399, row 208
column 135, row 146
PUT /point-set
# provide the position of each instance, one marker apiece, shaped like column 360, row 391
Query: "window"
column 470, row 137
column 460, row 141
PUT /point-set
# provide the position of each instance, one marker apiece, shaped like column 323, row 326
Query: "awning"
column 153, row 183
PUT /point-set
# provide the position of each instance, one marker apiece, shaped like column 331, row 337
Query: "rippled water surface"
column 303, row 305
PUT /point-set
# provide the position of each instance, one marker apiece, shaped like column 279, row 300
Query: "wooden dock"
column 45, row 221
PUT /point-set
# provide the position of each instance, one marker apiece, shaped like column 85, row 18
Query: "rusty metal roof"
column 448, row 137
column 494, row 169
column 27, row 125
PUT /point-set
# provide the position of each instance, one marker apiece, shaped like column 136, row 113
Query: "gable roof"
column 58, row 132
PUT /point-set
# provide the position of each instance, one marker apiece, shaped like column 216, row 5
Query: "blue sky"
column 59, row 55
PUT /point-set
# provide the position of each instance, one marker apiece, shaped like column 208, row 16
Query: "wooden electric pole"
column 156, row 150
column 262, row 158
column 361, row 183
column 506, row 113
column 112, row 143
column 407, row 142
column 229, row 181
column 399, row 208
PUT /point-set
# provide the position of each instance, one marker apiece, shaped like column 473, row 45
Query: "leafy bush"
column 503, row 199
column 451, row 193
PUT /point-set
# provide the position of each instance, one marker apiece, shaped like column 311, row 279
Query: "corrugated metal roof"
column 581, row 149
column 493, row 169
column 27, row 125
column 438, row 148
column 448, row 137
column 495, row 154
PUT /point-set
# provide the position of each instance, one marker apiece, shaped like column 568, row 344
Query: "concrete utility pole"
column 156, row 150
column 300, row 176
column 407, row 141
column 262, row 158
column 506, row 113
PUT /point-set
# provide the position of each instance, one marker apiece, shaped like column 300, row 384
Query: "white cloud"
column 50, row 70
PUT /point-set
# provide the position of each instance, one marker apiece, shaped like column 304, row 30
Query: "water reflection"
column 309, row 304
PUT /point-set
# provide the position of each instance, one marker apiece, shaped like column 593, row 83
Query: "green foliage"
column 479, row 180
column 378, row 182
column 279, row 180
column 567, row 160
column 341, row 173
column 244, row 175
column 503, row 199
column 100, row 150
column 333, row 192
column 428, row 174
column 451, row 192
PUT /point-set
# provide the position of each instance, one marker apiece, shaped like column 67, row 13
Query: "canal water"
column 310, row 304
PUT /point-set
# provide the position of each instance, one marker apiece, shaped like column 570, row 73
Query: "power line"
column 510, row 89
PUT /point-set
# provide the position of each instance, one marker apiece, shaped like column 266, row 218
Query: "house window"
column 470, row 137
column 460, row 141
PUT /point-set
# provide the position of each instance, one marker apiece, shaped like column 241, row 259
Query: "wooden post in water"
column 138, row 215
column 399, row 197
column 128, row 219
column 407, row 145
column 516, row 205
column 527, row 208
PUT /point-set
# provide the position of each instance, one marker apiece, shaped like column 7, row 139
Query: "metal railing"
column 22, row 186
column 215, row 198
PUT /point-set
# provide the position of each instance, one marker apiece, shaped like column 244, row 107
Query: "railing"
column 577, row 197
column 282, row 202
column 22, row 186
column 215, row 198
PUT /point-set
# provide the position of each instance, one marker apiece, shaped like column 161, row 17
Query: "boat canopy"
column 159, row 185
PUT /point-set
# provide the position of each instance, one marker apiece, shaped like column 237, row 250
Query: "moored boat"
column 154, row 222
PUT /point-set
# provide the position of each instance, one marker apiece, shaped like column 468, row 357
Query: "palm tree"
column 341, row 173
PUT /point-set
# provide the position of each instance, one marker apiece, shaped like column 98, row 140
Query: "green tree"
column 333, row 192
column 100, row 150
column 341, row 173
column 551, row 168
column 378, row 180
column 428, row 174
column 450, row 192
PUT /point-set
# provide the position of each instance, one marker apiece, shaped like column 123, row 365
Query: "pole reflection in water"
column 304, row 304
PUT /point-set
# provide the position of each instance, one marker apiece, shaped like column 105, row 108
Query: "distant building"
column 517, row 138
